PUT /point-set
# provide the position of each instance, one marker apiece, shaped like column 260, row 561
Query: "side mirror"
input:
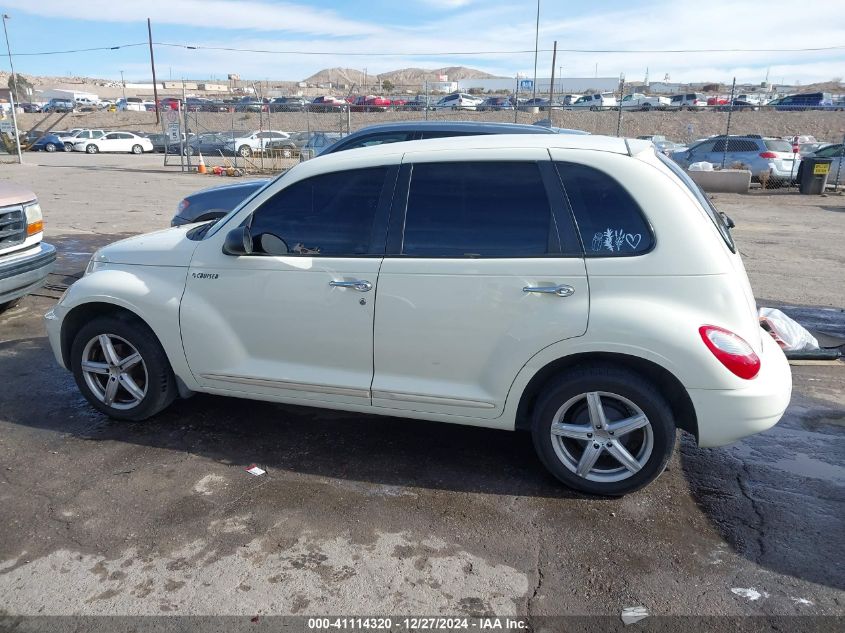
column 238, row 242
column 727, row 219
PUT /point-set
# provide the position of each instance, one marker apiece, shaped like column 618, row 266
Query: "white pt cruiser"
column 580, row 288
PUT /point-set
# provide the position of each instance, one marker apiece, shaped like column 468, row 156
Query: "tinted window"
column 831, row 152
column 329, row 215
column 736, row 145
column 609, row 220
column 483, row 209
column 706, row 146
column 378, row 139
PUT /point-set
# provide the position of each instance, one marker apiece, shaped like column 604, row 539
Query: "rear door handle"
column 561, row 291
column 361, row 285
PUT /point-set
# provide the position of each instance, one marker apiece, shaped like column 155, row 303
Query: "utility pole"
column 552, row 85
column 153, row 66
column 728, row 126
column 536, row 49
column 6, row 16
column 123, row 83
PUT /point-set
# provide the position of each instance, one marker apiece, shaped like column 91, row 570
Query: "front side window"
column 326, row 215
column 609, row 220
column 478, row 209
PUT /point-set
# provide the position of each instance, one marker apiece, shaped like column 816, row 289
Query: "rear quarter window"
column 610, row 222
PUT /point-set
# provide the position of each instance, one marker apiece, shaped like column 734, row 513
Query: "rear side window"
column 327, row 215
column 478, row 209
column 610, row 222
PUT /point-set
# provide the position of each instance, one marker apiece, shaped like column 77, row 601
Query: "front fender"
column 152, row 293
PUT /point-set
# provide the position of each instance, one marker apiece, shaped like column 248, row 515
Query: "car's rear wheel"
column 245, row 151
column 91, row 149
column 50, row 147
column 121, row 368
column 603, row 430
column 646, row 107
column 137, row 149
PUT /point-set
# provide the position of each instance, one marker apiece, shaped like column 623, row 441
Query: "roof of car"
column 610, row 144
column 474, row 127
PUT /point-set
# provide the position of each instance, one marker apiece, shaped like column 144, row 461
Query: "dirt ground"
column 678, row 126
column 375, row 515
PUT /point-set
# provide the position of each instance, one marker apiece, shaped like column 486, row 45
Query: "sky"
column 382, row 35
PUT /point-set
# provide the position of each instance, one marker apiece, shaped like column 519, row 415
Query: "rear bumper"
column 727, row 415
column 23, row 272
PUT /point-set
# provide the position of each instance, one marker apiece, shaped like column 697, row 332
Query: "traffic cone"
column 201, row 168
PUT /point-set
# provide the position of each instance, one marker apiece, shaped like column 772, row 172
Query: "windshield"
column 705, row 202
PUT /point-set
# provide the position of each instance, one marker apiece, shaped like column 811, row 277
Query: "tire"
column 137, row 149
column 622, row 394
column 151, row 376
column 68, row 147
column 91, row 149
column 8, row 305
column 646, row 107
column 50, row 147
column 245, row 151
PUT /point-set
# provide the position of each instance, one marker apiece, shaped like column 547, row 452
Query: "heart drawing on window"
column 633, row 240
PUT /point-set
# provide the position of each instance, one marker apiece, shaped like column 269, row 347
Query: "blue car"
column 806, row 101
column 48, row 143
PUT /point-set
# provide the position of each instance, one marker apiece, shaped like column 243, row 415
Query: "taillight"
column 182, row 206
column 731, row 350
column 768, row 155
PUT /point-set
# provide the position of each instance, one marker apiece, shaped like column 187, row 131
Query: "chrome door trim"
column 289, row 385
column 448, row 402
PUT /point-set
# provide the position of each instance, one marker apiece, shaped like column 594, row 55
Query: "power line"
column 438, row 54
column 79, row 50
column 511, row 52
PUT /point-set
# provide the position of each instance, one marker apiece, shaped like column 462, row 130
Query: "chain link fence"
column 728, row 128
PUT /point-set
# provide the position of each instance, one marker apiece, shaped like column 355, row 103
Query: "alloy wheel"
column 114, row 371
column 602, row 437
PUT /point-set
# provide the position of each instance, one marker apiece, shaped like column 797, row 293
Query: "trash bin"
column 812, row 175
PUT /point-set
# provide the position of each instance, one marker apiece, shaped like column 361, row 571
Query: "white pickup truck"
column 25, row 261
column 639, row 101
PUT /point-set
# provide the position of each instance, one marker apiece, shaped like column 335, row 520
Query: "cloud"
column 492, row 25
column 215, row 14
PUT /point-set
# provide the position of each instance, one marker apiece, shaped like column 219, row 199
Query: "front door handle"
column 361, row 285
column 560, row 291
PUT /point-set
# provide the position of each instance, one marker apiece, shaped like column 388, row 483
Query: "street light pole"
column 12, row 91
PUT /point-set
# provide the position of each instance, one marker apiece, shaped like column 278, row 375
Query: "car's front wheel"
column 245, row 151
column 137, row 149
column 91, row 149
column 121, row 368
column 50, row 147
column 603, row 430
column 68, row 147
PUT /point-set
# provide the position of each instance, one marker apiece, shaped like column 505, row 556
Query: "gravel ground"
column 364, row 515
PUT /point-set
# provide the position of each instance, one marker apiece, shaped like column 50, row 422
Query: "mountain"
column 401, row 77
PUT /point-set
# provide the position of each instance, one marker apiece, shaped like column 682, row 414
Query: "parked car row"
column 89, row 141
